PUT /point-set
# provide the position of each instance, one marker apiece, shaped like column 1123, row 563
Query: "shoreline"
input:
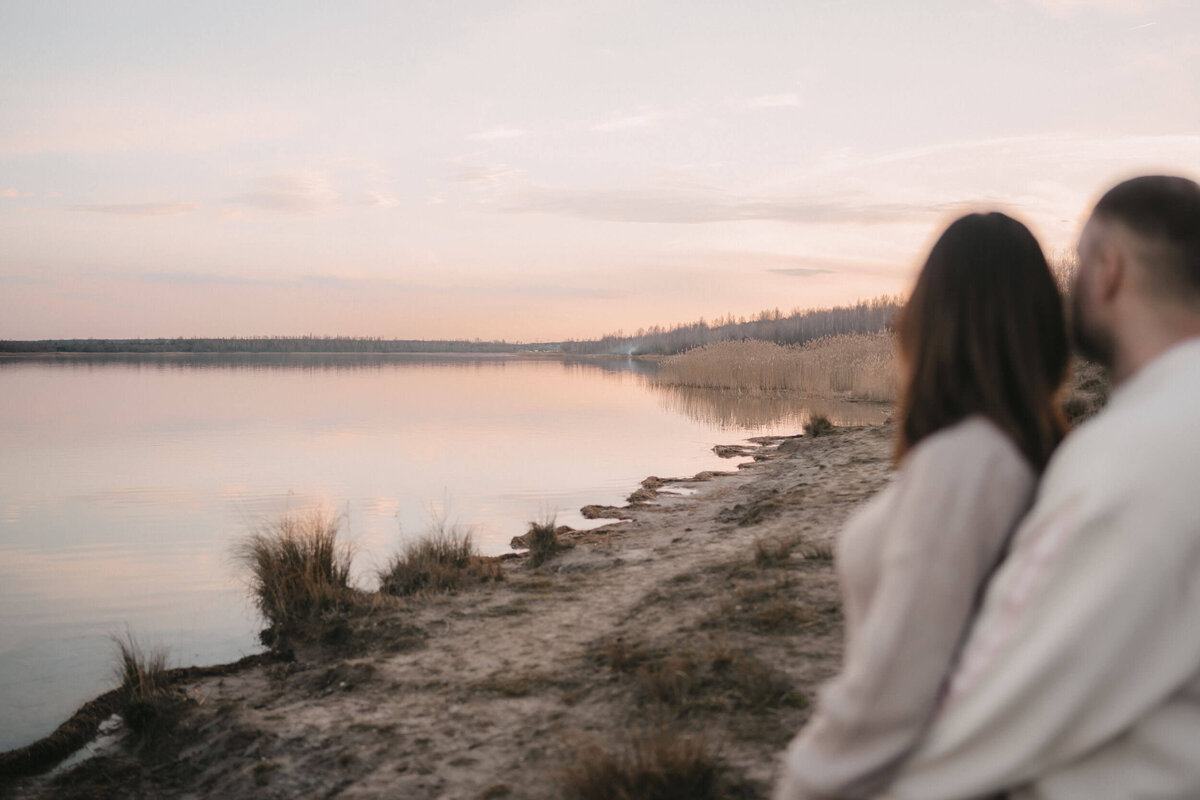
column 535, row 643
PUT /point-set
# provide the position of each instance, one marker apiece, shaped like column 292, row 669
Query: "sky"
column 538, row 171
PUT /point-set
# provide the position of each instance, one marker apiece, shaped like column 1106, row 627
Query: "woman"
column 983, row 347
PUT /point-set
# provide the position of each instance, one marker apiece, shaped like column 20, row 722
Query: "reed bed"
column 859, row 366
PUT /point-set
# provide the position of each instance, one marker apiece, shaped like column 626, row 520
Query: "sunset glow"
column 542, row 171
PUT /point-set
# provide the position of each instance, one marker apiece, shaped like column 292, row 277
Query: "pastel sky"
column 545, row 170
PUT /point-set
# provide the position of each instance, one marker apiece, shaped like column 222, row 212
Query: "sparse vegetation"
column 298, row 568
column 656, row 765
column 772, row 552
column 542, row 541
column 858, row 366
column 444, row 560
column 818, row 425
column 147, row 703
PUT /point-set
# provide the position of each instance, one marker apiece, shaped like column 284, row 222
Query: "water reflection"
column 125, row 481
column 741, row 411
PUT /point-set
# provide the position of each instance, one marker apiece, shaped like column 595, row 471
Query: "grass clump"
column 771, row 552
column 147, row 703
column 444, row 560
column 655, row 765
column 542, row 541
column 818, row 425
column 298, row 568
column 717, row 678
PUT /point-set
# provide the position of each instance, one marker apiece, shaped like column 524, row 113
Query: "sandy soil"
column 712, row 608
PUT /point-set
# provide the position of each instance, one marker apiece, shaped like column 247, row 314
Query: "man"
column 1080, row 679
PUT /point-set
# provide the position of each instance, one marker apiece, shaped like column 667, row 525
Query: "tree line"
column 796, row 327
column 265, row 344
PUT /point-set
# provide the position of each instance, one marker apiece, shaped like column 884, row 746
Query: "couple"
column 1023, row 618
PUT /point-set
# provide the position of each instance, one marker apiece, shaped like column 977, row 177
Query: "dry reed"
column 857, row 366
column 297, row 567
column 444, row 560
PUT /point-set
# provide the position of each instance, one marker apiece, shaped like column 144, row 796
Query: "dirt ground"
column 711, row 609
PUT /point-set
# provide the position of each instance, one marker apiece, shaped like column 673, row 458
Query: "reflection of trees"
column 263, row 361
column 638, row 366
column 728, row 410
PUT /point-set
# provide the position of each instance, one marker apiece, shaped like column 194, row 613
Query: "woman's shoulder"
column 972, row 445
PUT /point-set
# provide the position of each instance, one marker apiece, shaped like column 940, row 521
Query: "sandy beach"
column 711, row 609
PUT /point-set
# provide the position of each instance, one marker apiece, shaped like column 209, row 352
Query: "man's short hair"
column 1164, row 211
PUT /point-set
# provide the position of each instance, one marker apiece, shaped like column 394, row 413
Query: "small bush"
column 818, row 425
column 298, row 569
column 658, row 765
column 148, row 705
column 542, row 540
column 771, row 552
column 442, row 561
column 716, row 678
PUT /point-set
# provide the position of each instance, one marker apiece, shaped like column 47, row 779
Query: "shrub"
column 147, row 703
column 542, row 541
column 818, row 425
column 771, row 552
column 298, row 569
column 442, row 561
column 656, row 765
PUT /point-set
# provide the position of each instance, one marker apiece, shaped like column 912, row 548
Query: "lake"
column 126, row 482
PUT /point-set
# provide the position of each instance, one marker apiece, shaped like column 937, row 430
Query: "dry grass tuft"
column 715, row 678
column 860, row 366
column 622, row 656
column 766, row 606
column 147, row 703
column 443, row 561
column 542, row 541
column 818, row 425
column 772, row 552
column 298, row 568
column 655, row 765
column 818, row 551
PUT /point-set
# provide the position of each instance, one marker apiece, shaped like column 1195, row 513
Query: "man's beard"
column 1092, row 341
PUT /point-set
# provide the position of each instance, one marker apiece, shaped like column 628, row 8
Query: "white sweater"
column 911, row 564
column 1081, row 676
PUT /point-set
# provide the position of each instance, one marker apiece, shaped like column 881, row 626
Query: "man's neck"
column 1147, row 342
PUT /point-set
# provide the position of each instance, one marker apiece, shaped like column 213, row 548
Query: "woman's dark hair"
column 984, row 333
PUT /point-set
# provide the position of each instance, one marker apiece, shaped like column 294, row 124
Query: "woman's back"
column 911, row 563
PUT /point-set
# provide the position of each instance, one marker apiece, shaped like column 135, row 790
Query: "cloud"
column 381, row 199
column 24, row 280
column 374, row 286
column 629, row 121
column 787, row 100
column 9, row 193
column 1125, row 8
column 292, row 191
column 204, row 278
column 694, row 207
column 800, row 272
column 139, row 209
column 483, row 176
column 80, row 126
column 499, row 132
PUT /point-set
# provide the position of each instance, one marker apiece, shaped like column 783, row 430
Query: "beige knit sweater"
column 911, row 564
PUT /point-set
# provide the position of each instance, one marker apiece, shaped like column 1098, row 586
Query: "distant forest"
column 797, row 327
column 267, row 344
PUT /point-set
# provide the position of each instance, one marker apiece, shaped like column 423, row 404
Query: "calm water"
column 126, row 481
